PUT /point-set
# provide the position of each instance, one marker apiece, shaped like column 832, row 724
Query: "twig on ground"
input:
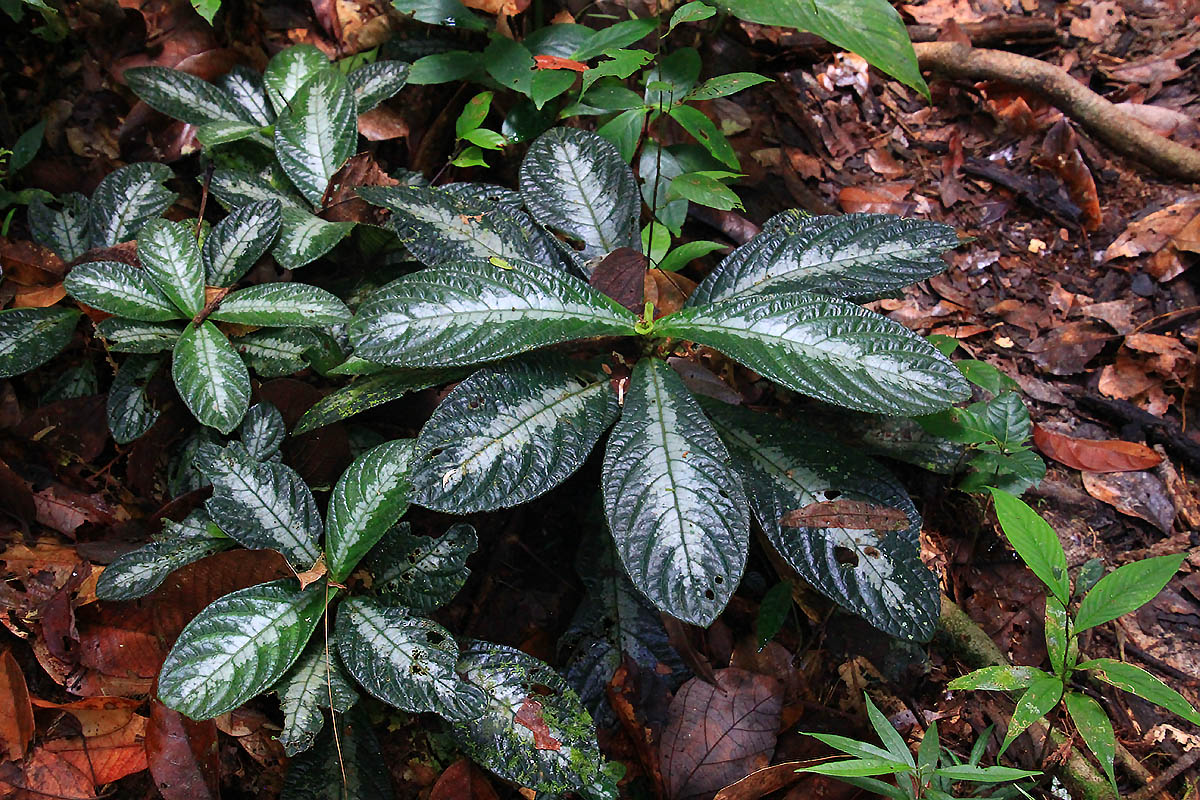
column 1172, row 772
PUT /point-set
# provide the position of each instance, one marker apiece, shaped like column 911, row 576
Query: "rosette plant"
column 265, row 638
column 681, row 476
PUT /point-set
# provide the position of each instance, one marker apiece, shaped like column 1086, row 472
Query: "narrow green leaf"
column 367, row 500
column 1143, row 684
column 171, row 258
column 725, row 85
column 282, row 305
column 26, row 147
column 853, row 747
column 211, row 377
column 375, row 82
column 290, row 69
column 674, row 503
column 120, row 289
column 123, row 335
column 238, row 646
column 371, row 391
column 888, row 734
column 969, row 772
column 999, row 679
column 238, row 241
column 128, row 410
column 858, row 767
column 139, row 572
column 407, row 662
column 694, row 121
column 126, row 200
column 1041, row 696
column 422, row 573
column 183, row 96
column 303, row 238
column 29, row 337
column 66, row 231
column 1126, row 589
column 1058, row 643
column 1035, row 542
column 614, row 37
column 310, row 685
column 318, row 133
column 510, row 433
column 1095, row 729
column 704, row 190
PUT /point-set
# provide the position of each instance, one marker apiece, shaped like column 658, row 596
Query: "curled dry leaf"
column 1138, row 494
column 852, row 514
column 558, row 62
column 668, row 291
column 1094, row 455
column 1060, row 154
column 16, row 726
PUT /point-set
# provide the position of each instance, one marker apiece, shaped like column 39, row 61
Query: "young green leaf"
column 614, row 37
column 825, row 348
column 1041, row 696
column 674, row 503
column 970, row 772
column 1143, row 684
column 307, row 688
column 477, row 311
column 120, row 289
column 238, row 241
column 422, row 573
column 303, row 238
column 171, row 258
column 999, row 679
column 724, row 85
column 1035, row 542
column 29, row 337
column 126, row 200
column 211, row 377
column 1095, row 729
column 183, row 96
column 686, row 253
column 857, row 256
column 261, row 504
column 238, row 646
column 704, row 190
column 123, row 335
column 65, row 231
column 510, row 433
column 1058, row 643
column 408, row 662
column 139, row 572
column 1126, row 589
column 262, row 432
column 577, row 183
column 473, row 113
column 318, row 133
column 282, row 305
column 694, row 121
column 290, row 69
column 375, row 82
column 371, row 391
column 367, row 500
column 624, row 131
column 128, row 410
column 690, row 12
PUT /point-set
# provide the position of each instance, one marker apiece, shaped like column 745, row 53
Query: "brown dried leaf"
column 1066, row 349
column 46, row 775
column 765, row 781
column 182, row 755
column 16, row 724
column 853, row 514
column 108, row 756
column 462, row 780
column 1060, row 154
column 342, row 204
column 668, row 291
column 1094, row 455
column 1153, row 231
column 1125, row 379
column 1138, row 494
column 621, row 275
column 884, row 198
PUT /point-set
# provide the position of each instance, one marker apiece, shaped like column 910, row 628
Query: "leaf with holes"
column 66, row 231
column 310, row 685
column 133, row 336
column 375, row 82
column 290, row 69
column 371, row 391
column 235, row 243
column 857, row 256
column 467, row 313
column 406, row 661
column 826, row 348
column 577, row 183
column 211, row 377
column 422, row 572
column 128, row 410
column 261, row 504
column 511, row 433
column 446, row 224
column 275, row 352
column 347, row 767
column 533, row 730
column 317, row 133
column 303, row 238
column 171, row 258
column 877, row 574
column 126, row 200
column 183, row 96
column 29, row 337
column 238, row 646
column 367, row 500
column 139, row 572
column 674, row 502
column 282, row 305
column 120, row 289
column 262, row 432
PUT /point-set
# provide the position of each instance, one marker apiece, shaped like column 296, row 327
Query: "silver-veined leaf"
column 236, row 188
column 67, row 230
column 239, row 240
column 367, row 500
column 275, row 352
column 238, row 646
column 317, row 133
column 139, row 572
column 877, row 574
column 458, row 222
column 282, row 305
column 128, row 409
column 577, row 183
column 856, row 256
column 219, row 132
column 510, row 433
column 126, row 200
column 467, row 313
column 246, row 88
column 826, row 348
column 262, row 432
column 405, row 661
column 171, row 258
column 133, row 336
column 346, row 768
column 371, row 391
column 674, row 502
column 261, row 504
column 290, row 69
column 564, row 758
column 29, row 337
column 375, row 82
column 307, row 688
column 303, row 238
column 422, row 572
column 211, row 377
column 120, row 289
column 183, row 96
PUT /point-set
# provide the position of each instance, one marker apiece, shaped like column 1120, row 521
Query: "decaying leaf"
column 851, row 514
column 16, row 725
column 1094, row 455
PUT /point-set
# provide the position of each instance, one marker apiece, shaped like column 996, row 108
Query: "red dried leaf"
column 854, row 514
column 884, row 198
column 47, row 774
column 716, row 735
column 1094, row 455
column 462, row 780
column 16, row 725
column 107, row 756
column 558, row 62
column 182, row 755
column 529, row 715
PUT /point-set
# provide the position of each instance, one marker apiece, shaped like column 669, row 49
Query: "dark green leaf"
column 317, row 133
column 619, row 64
column 373, row 390
column 29, row 337
column 262, row 432
column 510, row 63
column 118, row 288
column 442, row 12
column 694, row 121
column 690, row 12
column 131, row 336
column 129, row 411
column 303, row 238
column 773, row 612
column 126, row 200
column 315, row 682
column 678, row 70
column 211, row 377
column 375, row 82
column 1095, row 729
column 26, row 147
column 345, row 768
column 238, row 241
column 1059, row 645
column 367, row 500
column 282, row 305
column 548, row 84
column 890, row 737
column 66, row 231
column 247, row 89
column 1126, row 589
column 968, row 772
column 624, row 131
column 139, row 572
column 1035, row 542
column 724, row 85
column 422, row 573
column 703, row 189
column 453, row 65
column 857, row 767
column 614, row 37
column 183, row 96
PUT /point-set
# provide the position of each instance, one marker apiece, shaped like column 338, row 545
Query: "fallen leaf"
column 182, row 755
column 1150, row 233
column 1173, row 358
column 1138, row 494
column 47, row 775
column 884, row 198
column 16, row 724
column 38, row 296
column 1060, row 154
column 853, row 514
column 462, row 780
column 342, row 204
column 310, row 576
column 107, row 756
column 621, row 275
column 30, row 264
column 668, row 291
column 1100, row 22
column 508, row 8
column 1066, row 349
column 716, row 735
column 529, row 715
column 763, row 782
column 937, row 12
column 1124, row 379
column 1094, row 455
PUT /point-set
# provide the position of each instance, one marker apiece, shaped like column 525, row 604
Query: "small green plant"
column 264, row 638
column 1122, row 591
column 470, row 137
column 933, row 774
column 301, row 114
column 54, row 28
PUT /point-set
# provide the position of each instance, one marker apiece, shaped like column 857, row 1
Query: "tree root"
column 958, row 635
column 1097, row 116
